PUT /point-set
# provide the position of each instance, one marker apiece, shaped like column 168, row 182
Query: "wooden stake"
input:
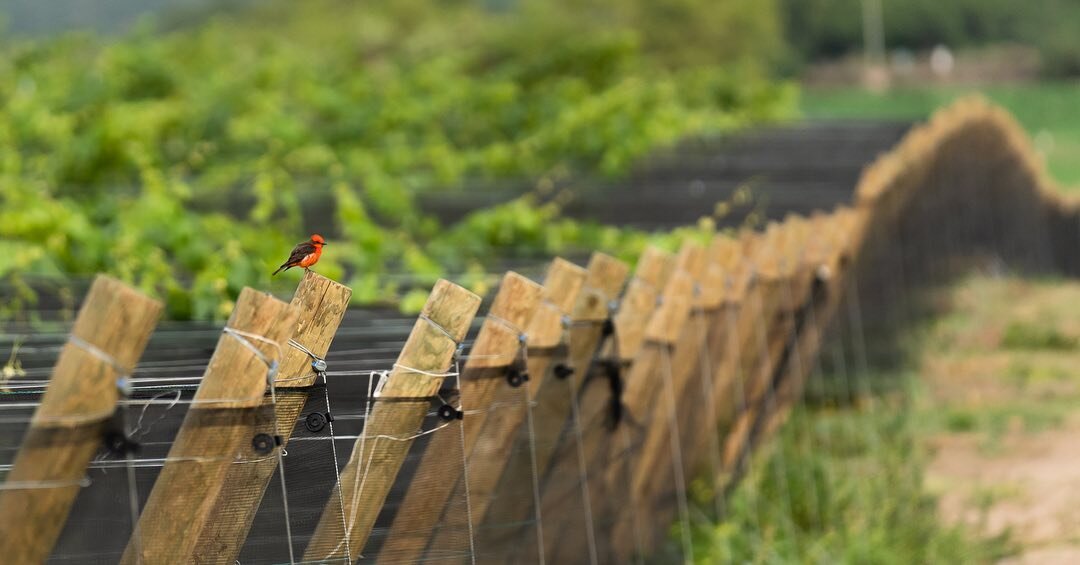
column 552, row 397
column 389, row 429
column 686, row 407
column 219, row 429
column 727, row 338
column 416, row 522
column 754, row 327
column 788, row 280
column 830, row 257
column 563, row 489
column 321, row 304
column 590, row 314
column 722, row 291
column 67, row 427
column 491, row 448
column 649, row 397
column 546, row 334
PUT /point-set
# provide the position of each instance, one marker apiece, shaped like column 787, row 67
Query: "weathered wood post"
column 574, row 461
column 830, row 255
column 109, row 336
column 726, row 345
column 355, row 503
column 649, row 401
column 689, row 402
column 798, row 301
column 417, row 521
column 778, row 277
column 494, row 449
column 757, row 329
column 782, row 345
column 685, row 368
column 217, row 430
column 806, row 299
column 724, row 280
column 321, row 304
column 553, row 394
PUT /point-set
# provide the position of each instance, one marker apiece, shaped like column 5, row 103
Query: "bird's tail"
column 284, row 267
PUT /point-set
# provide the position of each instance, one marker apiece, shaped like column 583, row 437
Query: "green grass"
column 1019, row 335
column 841, row 486
column 1047, row 111
column 846, row 482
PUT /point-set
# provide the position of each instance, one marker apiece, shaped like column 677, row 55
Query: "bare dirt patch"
column 1003, row 385
column 1030, row 487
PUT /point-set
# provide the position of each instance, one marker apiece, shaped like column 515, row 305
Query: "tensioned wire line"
column 272, row 365
column 740, row 403
column 862, row 390
column 796, row 365
column 708, row 390
column 814, row 377
column 577, row 425
column 768, row 405
column 360, row 475
column 583, row 474
column 746, row 458
column 538, row 515
column 676, row 454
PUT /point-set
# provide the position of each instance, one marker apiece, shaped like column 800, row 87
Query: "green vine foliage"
column 188, row 162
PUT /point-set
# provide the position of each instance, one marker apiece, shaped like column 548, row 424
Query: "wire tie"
column 318, row 364
column 123, row 383
column 244, row 339
column 439, row 327
column 508, row 324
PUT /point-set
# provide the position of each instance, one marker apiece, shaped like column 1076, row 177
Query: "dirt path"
column 1003, row 391
column 1031, row 488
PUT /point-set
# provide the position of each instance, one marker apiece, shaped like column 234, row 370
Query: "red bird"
column 304, row 255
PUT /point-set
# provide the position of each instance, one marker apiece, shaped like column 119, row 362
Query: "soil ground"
column 1001, row 381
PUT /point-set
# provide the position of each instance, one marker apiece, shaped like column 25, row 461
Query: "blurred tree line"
column 821, row 29
column 185, row 155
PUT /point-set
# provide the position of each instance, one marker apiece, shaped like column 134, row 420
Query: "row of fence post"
column 622, row 387
column 587, row 403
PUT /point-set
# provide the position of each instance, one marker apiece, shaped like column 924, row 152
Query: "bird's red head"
column 318, row 239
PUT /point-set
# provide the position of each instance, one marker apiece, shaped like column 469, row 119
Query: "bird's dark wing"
column 300, row 251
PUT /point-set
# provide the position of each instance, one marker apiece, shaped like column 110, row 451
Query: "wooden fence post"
column 354, row 504
column 321, row 304
column 416, row 521
column 756, row 331
column 650, row 406
column 735, row 262
column 684, row 367
column 491, row 449
column 690, row 401
column 782, row 345
column 551, row 396
column 724, row 282
column 109, row 336
column 586, row 335
column 216, row 431
column 589, row 414
column 829, row 256
column 790, row 367
column 731, row 343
